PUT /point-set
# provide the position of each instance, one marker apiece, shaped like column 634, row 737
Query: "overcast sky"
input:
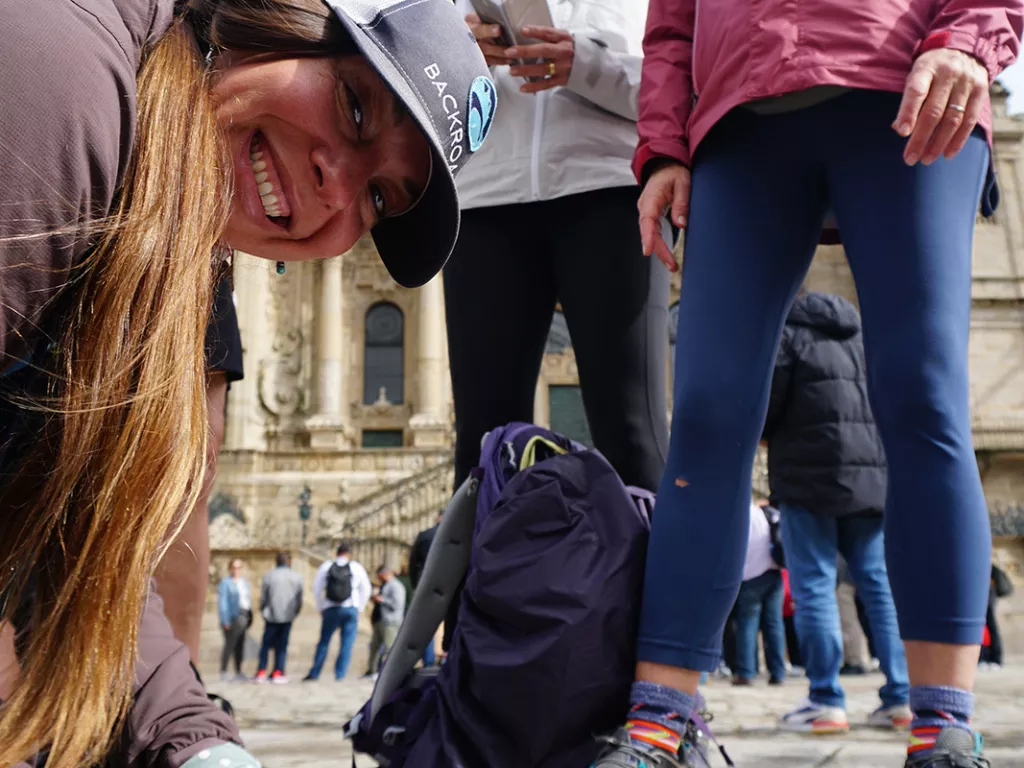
column 1013, row 79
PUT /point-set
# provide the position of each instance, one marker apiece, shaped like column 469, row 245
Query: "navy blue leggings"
column 761, row 188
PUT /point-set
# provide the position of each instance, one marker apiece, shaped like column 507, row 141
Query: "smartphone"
column 513, row 15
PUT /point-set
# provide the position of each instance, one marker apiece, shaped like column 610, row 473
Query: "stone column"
column 244, row 428
column 429, row 425
column 329, row 428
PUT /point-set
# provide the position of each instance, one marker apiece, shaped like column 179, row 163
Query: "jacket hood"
column 832, row 315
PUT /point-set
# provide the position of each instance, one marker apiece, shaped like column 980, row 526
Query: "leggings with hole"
column 761, row 188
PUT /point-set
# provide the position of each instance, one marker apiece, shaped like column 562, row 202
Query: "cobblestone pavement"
column 299, row 724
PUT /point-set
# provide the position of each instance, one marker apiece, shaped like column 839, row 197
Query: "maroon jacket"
column 702, row 58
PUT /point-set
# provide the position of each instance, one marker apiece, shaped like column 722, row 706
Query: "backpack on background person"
column 552, row 546
column 339, row 583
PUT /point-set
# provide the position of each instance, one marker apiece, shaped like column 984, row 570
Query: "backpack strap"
column 530, row 455
column 447, row 563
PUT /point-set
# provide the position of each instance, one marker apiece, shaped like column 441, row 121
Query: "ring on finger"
column 551, row 69
column 957, row 108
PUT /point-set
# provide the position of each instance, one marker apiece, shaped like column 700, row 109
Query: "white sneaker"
column 896, row 717
column 815, row 718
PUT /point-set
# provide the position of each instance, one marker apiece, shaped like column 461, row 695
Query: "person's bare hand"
column 667, row 192
column 557, row 52
column 488, row 37
column 942, row 102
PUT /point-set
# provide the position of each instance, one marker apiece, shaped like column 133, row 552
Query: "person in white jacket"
column 549, row 217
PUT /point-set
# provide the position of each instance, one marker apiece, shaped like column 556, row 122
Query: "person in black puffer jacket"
column 827, row 473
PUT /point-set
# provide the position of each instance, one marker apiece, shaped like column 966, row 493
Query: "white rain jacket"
column 567, row 140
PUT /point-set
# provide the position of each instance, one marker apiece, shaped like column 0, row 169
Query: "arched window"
column 558, row 336
column 383, row 355
column 673, row 327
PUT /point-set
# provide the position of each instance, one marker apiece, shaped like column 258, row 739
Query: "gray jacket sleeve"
column 606, row 73
column 172, row 718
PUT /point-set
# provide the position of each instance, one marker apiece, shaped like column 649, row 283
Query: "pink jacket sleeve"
column 989, row 30
column 666, row 84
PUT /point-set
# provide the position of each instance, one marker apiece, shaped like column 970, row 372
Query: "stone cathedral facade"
column 347, row 392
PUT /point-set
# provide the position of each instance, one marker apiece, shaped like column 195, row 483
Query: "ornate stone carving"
column 283, row 389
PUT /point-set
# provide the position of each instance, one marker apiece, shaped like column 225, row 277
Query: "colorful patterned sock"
column 658, row 716
column 935, row 708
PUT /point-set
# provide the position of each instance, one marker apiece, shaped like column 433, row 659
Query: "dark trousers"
column 761, row 187
column 510, row 267
column 275, row 638
column 792, row 642
column 234, row 642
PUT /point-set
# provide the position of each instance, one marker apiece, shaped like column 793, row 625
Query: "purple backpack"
column 543, row 655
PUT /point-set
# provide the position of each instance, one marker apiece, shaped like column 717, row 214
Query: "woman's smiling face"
column 321, row 152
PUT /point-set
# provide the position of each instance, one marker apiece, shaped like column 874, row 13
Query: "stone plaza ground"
column 299, row 724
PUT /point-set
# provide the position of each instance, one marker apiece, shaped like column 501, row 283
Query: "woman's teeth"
column 267, row 183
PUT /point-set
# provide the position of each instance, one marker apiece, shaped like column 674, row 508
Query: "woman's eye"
column 356, row 107
column 380, row 204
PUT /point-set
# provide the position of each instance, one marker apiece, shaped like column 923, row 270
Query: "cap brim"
column 415, row 245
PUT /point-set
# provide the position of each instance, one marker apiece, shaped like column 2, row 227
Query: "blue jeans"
column 812, row 543
column 275, row 637
column 333, row 619
column 760, row 597
column 761, row 185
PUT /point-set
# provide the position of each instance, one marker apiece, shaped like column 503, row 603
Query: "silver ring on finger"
column 957, row 108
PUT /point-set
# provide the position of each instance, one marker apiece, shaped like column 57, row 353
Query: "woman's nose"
column 341, row 176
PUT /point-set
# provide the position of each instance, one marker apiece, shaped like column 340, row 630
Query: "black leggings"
column 511, row 265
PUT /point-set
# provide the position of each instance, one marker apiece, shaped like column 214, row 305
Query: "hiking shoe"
column 955, row 748
column 852, row 670
column 278, row 678
column 261, row 676
column 620, row 752
column 742, row 682
column 896, row 717
column 815, row 718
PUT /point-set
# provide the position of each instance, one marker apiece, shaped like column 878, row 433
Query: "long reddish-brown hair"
column 121, row 457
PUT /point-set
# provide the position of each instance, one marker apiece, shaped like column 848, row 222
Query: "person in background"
column 341, row 589
column 759, row 607
column 759, row 122
column 280, row 604
column 992, row 653
column 827, row 472
column 389, row 610
column 234, row 608
column 788, row 614
column 855, row 642
column 417, row 562
column 549, row 217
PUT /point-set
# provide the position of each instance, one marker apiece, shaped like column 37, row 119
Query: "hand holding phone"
column 491, row 39
column 545, row 64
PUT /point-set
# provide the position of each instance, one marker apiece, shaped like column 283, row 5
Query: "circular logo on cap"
column 483, row 101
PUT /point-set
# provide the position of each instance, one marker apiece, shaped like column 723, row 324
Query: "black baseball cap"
column 426, row 54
